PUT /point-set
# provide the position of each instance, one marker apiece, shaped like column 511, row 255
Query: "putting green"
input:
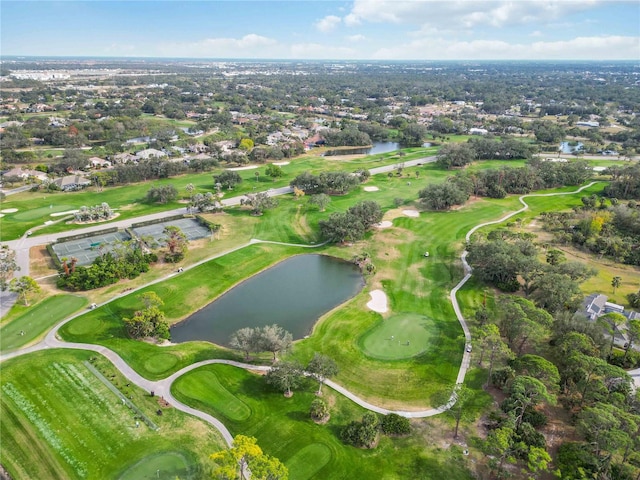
column 308, row 461
column 204, row 386
column 88, row 324
column 36, row 213
column 401, row 336
column 168, row 465
column 160, row 362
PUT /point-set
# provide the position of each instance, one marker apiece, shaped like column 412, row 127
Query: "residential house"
column 71, row 183
column 148, row 153
column 25, row 174
column 97, row 162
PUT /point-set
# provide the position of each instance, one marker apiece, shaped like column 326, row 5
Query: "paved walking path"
column 163, row 387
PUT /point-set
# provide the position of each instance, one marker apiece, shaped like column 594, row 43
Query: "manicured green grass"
column 128, row 200
column 36, row 320
column 284, row 429
column 181, row 295
column 64, row 423
column 399, row 337
column 166, row 465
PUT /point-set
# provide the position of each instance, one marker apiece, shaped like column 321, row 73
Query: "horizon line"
column 235, row 59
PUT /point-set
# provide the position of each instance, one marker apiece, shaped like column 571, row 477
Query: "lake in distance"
column 293, row 294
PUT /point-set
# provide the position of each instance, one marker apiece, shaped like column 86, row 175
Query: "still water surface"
column 294, row 294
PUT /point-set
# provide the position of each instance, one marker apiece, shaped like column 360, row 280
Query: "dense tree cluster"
column 347, row 137
column 259, row 202
column 270, row 338
column 227, row 179
column 125, row 260
column 149, row 321
column 613, row 231
column 351, row 225
column 331, row 183
column 510, row 262
column 161, row 194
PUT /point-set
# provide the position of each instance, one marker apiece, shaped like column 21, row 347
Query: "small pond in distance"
column 293, row 294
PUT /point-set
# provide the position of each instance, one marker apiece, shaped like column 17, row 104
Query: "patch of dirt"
column 163, row 403
column 40, row 262
column 558, row 430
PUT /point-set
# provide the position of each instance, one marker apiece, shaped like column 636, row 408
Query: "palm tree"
column 615, row 283
column 611, row 321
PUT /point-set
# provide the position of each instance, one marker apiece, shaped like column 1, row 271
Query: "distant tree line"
column 497, row 183
column 613, row 230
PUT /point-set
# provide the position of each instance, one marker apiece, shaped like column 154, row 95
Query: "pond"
column 294, row 294
column 375, row 148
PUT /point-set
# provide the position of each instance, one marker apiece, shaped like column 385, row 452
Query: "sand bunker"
column 378, row 302
column 599, row 169
column 385, row 224
column 237, row 169
column 68, row 212
column 281, row 164
column 1, row 215
column 9, row 210
column 411, row 213
column 371, row 189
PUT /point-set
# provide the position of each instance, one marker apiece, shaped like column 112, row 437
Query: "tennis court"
column 87, row 249
column 189, row 226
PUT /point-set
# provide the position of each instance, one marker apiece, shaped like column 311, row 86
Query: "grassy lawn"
column 34, row 208
column 413, row 284
column 247, row 406
column 399, row 337
column 36, row 320
column 76, row 427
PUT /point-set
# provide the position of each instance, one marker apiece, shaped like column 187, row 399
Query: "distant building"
column 150, row 153
column 71, row 183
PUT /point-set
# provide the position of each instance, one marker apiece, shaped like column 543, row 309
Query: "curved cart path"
column 163, row 387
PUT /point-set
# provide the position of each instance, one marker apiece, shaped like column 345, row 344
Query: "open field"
column 34, row 322
column 128, row 200
column 283, row 428
column 77, row 428
column 385, row 373
column 412, row 283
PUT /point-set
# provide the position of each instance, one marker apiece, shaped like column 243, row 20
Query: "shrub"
column 319, row 410
column 394, row 424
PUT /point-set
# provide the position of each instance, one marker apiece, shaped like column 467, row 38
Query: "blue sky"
column 307, row 29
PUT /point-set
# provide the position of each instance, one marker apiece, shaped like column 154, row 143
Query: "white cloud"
column 463, row 13
column 356, row 38
column 251, row 45
column 328, row 23
column 580, row 48
column 536, row 33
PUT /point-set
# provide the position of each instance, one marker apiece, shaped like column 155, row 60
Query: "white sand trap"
column 599, row 169
column 411, row 213
column 237, row 169
column 281, row 164
column 1, row 215
column 371, row 189
column 60, row 214
column 385, row 224
column 9, row 210
column 49, row 222
column 378, row 302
